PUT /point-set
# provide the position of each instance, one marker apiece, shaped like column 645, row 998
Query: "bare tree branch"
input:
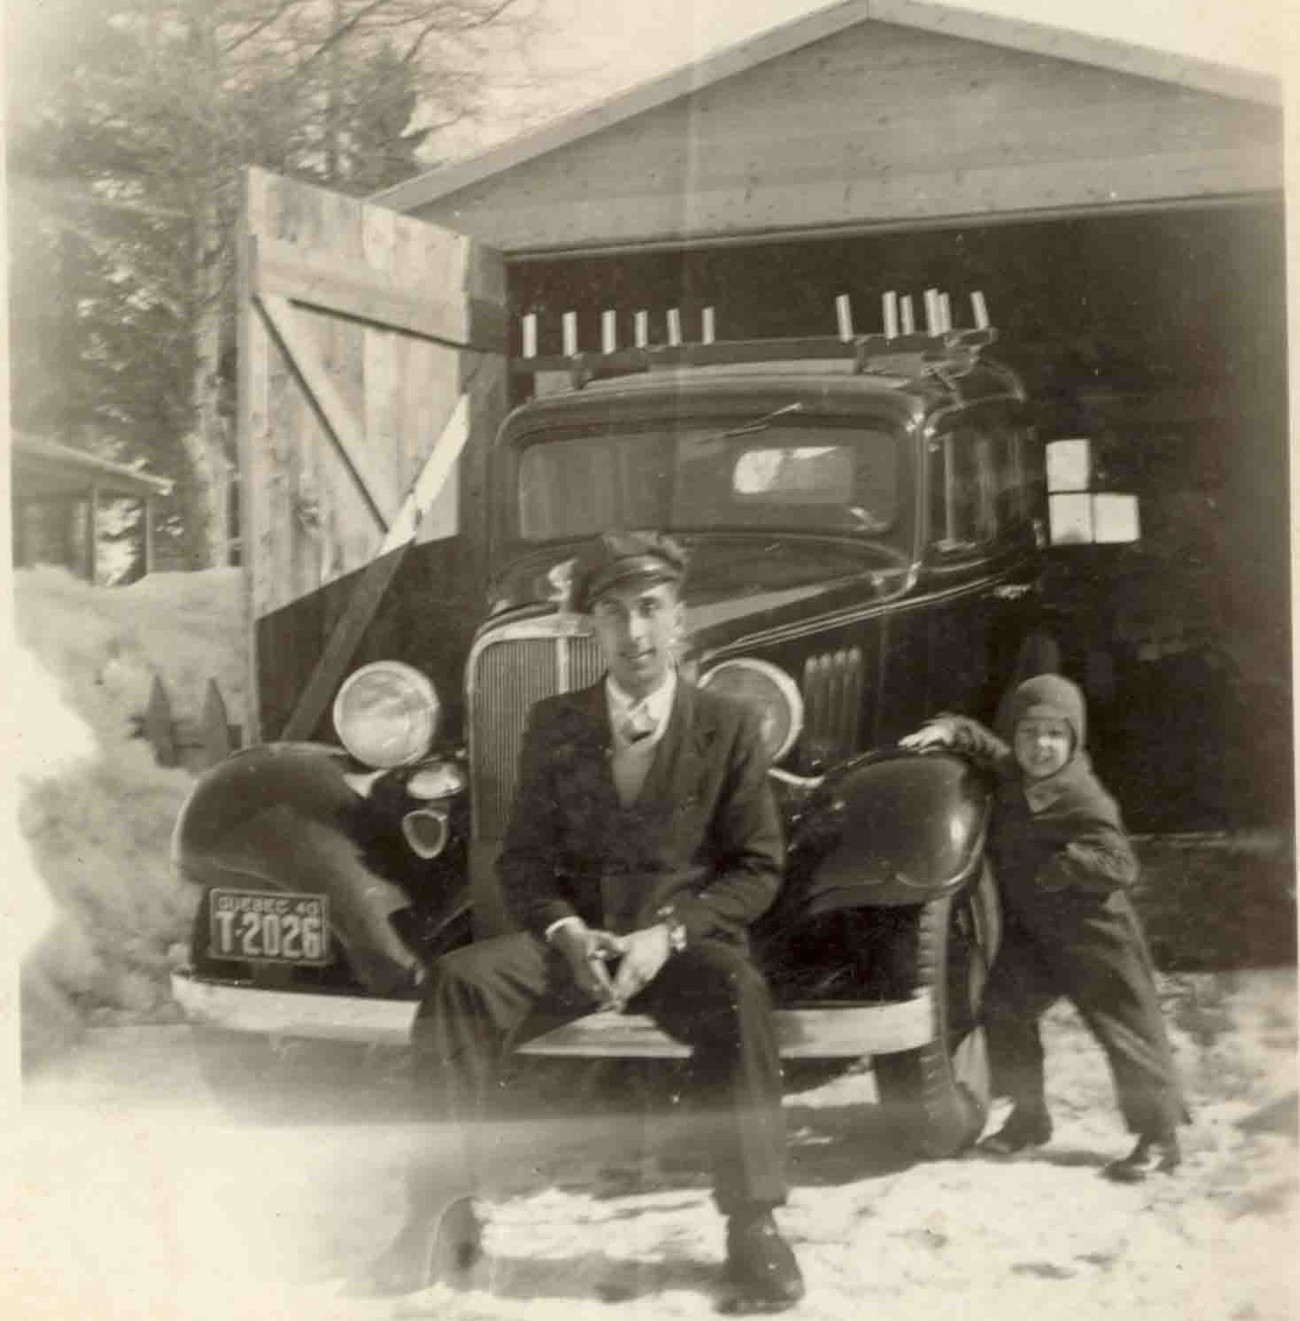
column 260, row 25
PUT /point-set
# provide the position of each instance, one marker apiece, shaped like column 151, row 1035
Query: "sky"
column 581, row 51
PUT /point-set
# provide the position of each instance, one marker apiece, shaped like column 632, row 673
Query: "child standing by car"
column 1064, row 864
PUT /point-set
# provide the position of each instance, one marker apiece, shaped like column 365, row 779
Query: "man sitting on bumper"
column 643, row 842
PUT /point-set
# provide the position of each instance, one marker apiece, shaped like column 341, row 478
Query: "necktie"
column 637, row 724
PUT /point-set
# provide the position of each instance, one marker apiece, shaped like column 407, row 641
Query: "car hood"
column 730, row 577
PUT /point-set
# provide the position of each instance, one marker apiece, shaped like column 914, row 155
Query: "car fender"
column 897, row 828
column 285, row 816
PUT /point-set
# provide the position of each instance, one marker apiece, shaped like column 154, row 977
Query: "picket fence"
column 194, row 744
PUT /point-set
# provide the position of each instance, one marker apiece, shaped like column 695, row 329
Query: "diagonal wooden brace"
column 377, row 575
column 301, row 352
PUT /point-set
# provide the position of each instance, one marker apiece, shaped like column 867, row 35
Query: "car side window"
column 964, row 491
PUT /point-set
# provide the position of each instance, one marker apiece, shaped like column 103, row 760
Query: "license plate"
column 266, row 926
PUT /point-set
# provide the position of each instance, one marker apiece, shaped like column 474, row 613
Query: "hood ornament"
column 559, row 579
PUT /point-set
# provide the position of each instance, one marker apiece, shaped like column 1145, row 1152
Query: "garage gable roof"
column 1013, row 34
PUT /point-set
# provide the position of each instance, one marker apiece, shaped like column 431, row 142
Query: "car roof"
column 902, row 389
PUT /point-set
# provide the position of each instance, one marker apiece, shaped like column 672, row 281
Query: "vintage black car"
column 864, row 526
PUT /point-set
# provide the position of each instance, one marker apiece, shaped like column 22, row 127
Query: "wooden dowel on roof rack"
column 931, row 311
column 979, row 310
column 674, row 327
column 844, row 317
column 608, row 330
column 706, row 326
column 569, row 333
column 889, row 313
column 528, row 328
column 641, row 329
column 905, row 314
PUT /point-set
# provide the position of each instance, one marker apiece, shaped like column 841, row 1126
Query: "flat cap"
column 617, row 559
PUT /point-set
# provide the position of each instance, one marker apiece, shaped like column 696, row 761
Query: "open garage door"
column 372, row 379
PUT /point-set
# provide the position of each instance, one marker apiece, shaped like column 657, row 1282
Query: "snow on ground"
column 130, row 1194
column 101, row 915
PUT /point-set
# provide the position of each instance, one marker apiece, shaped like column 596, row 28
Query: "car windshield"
column 757, row 476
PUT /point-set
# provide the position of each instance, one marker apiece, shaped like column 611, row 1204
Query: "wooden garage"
column 870, row 114
column 58, row 492
column 1121, row 209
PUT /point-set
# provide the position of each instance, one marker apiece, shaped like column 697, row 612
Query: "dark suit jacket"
column 703, row 836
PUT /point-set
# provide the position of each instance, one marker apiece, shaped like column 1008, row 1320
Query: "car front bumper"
column 822, row 1031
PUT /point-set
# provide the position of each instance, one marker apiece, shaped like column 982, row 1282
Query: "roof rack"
column 897, row 350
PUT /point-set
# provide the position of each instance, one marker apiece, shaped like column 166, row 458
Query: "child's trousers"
column 1089, row 948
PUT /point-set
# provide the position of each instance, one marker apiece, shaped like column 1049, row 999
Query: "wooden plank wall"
column 306, row 520
column 879, row 124
column 426, row 619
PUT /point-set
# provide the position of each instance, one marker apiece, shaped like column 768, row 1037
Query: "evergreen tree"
column 131, row 122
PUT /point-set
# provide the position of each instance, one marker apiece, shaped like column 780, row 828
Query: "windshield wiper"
column 761, row 423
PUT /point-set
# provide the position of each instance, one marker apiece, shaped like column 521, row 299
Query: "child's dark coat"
column 1064, row 863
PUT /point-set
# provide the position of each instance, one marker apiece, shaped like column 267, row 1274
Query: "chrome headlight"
column 387, row 714
column 770, row 691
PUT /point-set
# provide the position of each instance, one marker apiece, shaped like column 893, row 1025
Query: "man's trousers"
column 709, row 996
column 1089, row 948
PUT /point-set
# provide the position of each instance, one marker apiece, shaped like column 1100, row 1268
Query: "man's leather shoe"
column 1024, row 1128
column 1154, row 1154
column 428, row 1249
column 761, row 1270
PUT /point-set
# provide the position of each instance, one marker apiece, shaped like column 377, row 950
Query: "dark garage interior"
column 1161, row 336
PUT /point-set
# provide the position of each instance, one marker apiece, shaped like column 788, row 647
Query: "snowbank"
column 102, row 918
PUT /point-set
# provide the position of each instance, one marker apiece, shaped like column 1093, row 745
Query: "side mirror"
column 1077, row 514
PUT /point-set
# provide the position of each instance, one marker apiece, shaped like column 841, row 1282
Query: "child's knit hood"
column 1067, row 810
column 1051, row 697
column 1048, row 697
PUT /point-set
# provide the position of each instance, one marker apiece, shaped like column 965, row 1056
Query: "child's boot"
column 1155, row 1153
column 1026, row 1126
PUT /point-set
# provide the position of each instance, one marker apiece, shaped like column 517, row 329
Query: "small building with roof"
column 58, row 493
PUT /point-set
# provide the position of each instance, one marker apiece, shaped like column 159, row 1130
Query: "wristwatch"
column 676, row 928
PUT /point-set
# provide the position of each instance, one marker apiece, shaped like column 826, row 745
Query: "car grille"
column 832, row 695
column 508, row 674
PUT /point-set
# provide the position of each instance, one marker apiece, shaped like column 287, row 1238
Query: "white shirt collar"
column 658, row 704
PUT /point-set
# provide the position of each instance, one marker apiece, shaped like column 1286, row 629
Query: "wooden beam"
column 335, row 416
column 20, row 534
column 778, row 208
column 675, row 242
column 69, row 512
column 365, row 293
column 256, row 447
column 343, row 641
column 147, row 535
column 92, row 527
column 956, row 345
column 433, row 476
